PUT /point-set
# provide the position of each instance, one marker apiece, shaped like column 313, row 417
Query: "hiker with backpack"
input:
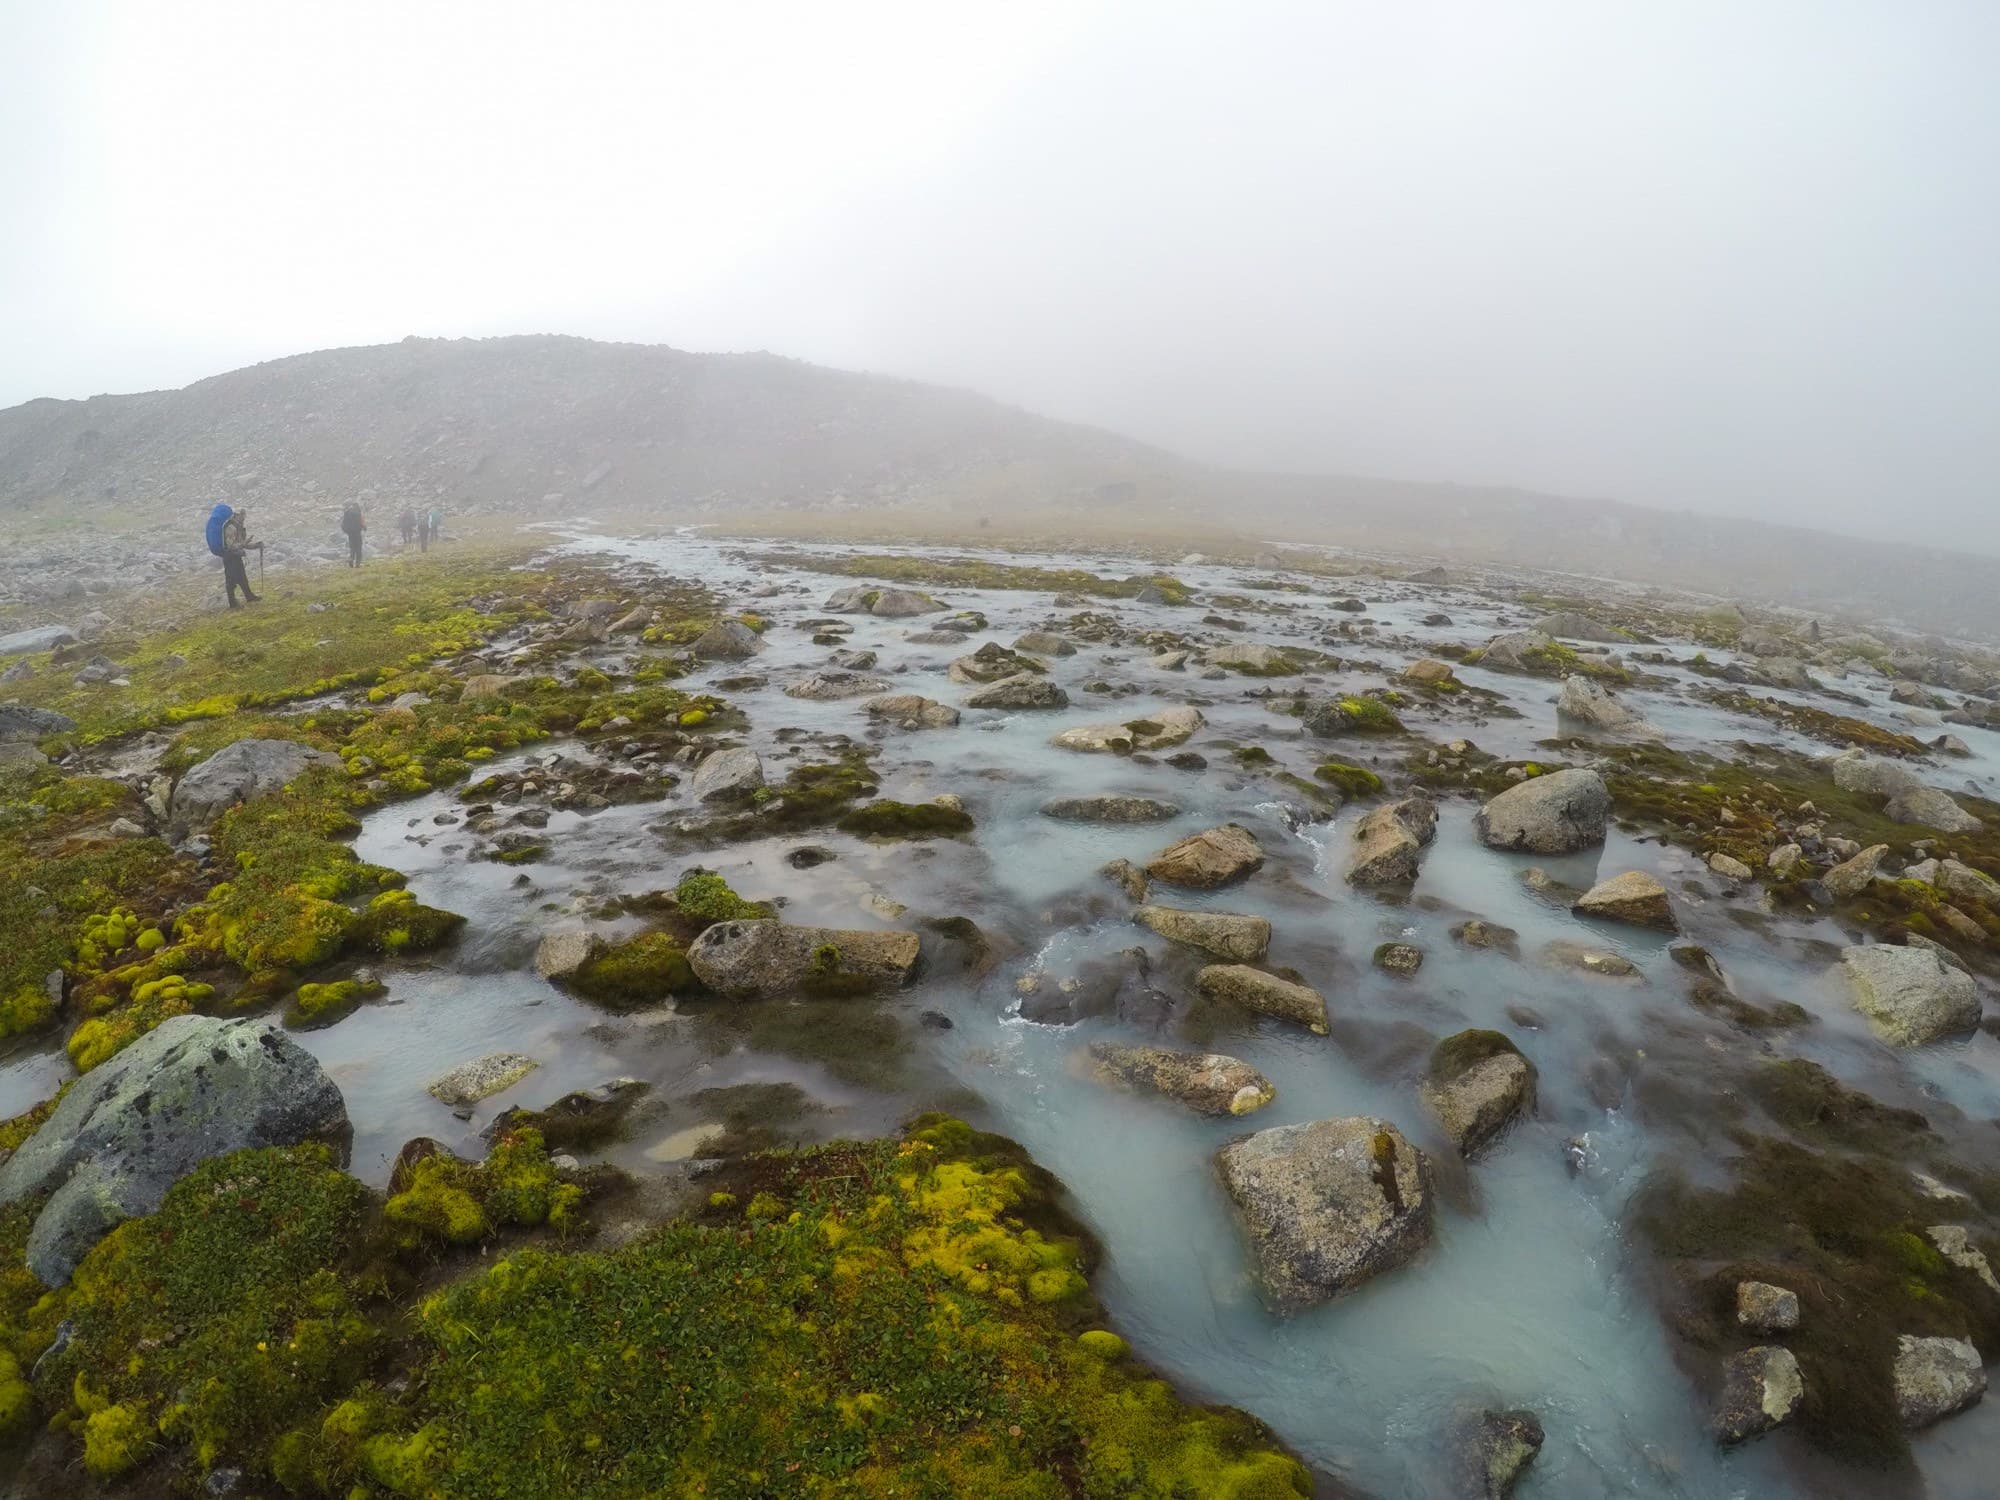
column 353, row 525
column 228, row 536
column 407, row 523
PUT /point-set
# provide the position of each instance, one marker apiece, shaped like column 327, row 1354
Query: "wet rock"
column 581, row 1120
column 1207, row 860
column 1936, row 1378
column 20, row 723
column 808, row 856
column 1907, row 800
column 1188, row 760
column 1564, row 954
column 911, row 711
column 1255, row 990
column 1514, row 652
column 237, row 773
column 1389, row 842
column 750, row 958
column 1427, row 672
column 1256, row 659
column 1128, row 877
column 1951, row 744
column 727, row 640
column 1478, row 933
column 632, row 622
column 992, row 662
column 1954, row 1243
column 832, row 685
column 1762, row 1388
column 1045, row 643
column 1476, row 1084
column 561, row 954
column 1401, row 959
column 192, row 1088
column 1207, row 1082
column 853, row 600
column 1159, row 731
column 1963, row 883
column 1784, row 859
column 1022, row 691
column 1633, row 897
column 1730, row 868
column 1171, row 661
column 852, row 661
column 1334, row 717
column 1109, row 809
column 1763, row 1308
column 1851, row 877
column 1584, row 703
column 1493, row 1450
column 1567, row 625
column 1910, row 996
column 482, row 1078
column 726, row 771
column 1225, row 934
column 1329, row 1204
column 1559, row 813
column 897, row 604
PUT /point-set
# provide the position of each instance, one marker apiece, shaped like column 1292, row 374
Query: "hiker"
column 353, row 525
column 407, row 523
column 228, row 534
column 424, row 532
column 436, row 520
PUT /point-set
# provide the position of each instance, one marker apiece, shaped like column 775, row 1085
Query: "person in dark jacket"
column 228, row 534
column 353, row 525
column 407, row 523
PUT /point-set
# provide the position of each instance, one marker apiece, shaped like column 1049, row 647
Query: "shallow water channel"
column 1531, row 1293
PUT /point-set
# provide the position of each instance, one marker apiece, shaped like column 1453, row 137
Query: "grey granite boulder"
column 1762, row 1388
column 1329, row 1204
column 1273, row 996
column 1558, row 813
column 1910, row 995
column 911, row 711
column 722, row 772
column 1633, row 897
column 192, row 1088
column 1389, row 841
column 1225, row 934
column 1023, row 690
column 19, row 723
column 237, row 773
column 728, row 640
column 1476, row 1083
column 1206, row 1082
column 1936, row 1378
column 761, row 957
column 1586, row 705
column 832, row 684
column 39, row 638
column 897, row 604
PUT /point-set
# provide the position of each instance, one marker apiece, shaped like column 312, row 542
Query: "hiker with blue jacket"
column 228, row 535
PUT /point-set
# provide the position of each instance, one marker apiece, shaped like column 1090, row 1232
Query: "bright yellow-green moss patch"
column 438, row 1198
column 644, row 970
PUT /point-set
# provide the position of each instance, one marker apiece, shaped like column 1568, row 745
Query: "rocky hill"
column 552, row 426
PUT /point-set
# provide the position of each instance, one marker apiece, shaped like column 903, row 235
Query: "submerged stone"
column 192, row 1088
column 1225, row 934
column 1329, row 1204
column 1569, row 955
column 1476, row 1084
column 1633, row 897
column 1209, row 1083
column 482, row 1078
column 1109, row 809
column 1255, row 990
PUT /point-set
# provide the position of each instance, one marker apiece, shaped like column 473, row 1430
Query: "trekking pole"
column 260, row 562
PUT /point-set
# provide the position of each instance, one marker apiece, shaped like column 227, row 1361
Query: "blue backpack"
column 217, row 519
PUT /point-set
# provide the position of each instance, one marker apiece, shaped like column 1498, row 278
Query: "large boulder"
column 1045, row 643
column 1634, row 897
column 1257, row 660
column 896, row 604
column 1255, row 990
column 1203, row 861
column 1910, row 995
column 1585, row 704
column 1558, row 813
column 192, row 1088
column 1389, row 842
column 1109, row 809
column 911, row 711
column 1936, row 1378
column 1905, row 798
column 762, row 957
column 992, row 662
column 1206, row 1082
column 1157, row 731
column 1477, row 1082
column 1855, row 874
column 1492, row 1450
column 855, row 599
column 831, row 684
column 1328, row 1204
column 1518, row 651
column 1024, row 690
column 39, row 638
column 726, row 771
column 728, row 640
column 20, row 723
column 1568, row 625
column 1230, row 935
column 239, row 772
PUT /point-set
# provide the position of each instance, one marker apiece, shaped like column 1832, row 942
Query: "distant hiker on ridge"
column 228, row 534
column 353, row 525
column 407, row 523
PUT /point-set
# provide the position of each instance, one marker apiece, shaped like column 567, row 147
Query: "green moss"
column 323, row 1004
column 1832, row 728
column 396, row 922
column 978, row 573
column 707, row 898
column 437, row 1199
column 1252, row 755
column 1463, row 1051
column 811, row 796
column 906, row 820
column 641, row 971
column 1349, row 781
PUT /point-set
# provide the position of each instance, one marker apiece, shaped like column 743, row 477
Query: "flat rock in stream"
column 721, row 772
column 1045, row 643
column 561, row 954
column 992, row 662
column 1203, row 861
column 1273, row 996
column 1328, row 1204
column 1161, row 730
column 1024, row 690
column 761, row 957
column 1209, row 1083
column 1389, row 842
column 911, row 711
column 1586, row 704
column 1558, row 813
column 1633, row 897
column 833, row 684
column 1910, row 995
column 192, row 1088
column 1109, row 809
column 482, row 1078
column 727, row 640
column 1256, row 659
column 1493, row 1449
column 1230, row 935
column 238, row 772
column 897, row 604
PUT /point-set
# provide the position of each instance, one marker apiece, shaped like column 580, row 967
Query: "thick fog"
column 1739, row 259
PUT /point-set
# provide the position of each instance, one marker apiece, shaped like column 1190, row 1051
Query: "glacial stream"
column 1532, row 1293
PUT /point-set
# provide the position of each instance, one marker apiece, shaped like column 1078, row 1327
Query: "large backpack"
column 217, row 520
column 350, row 518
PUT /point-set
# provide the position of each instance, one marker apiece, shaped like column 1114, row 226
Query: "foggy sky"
column 1738, row 258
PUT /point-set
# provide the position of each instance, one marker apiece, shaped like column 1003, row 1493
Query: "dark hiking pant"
column 354, row 549
column 235, row 576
